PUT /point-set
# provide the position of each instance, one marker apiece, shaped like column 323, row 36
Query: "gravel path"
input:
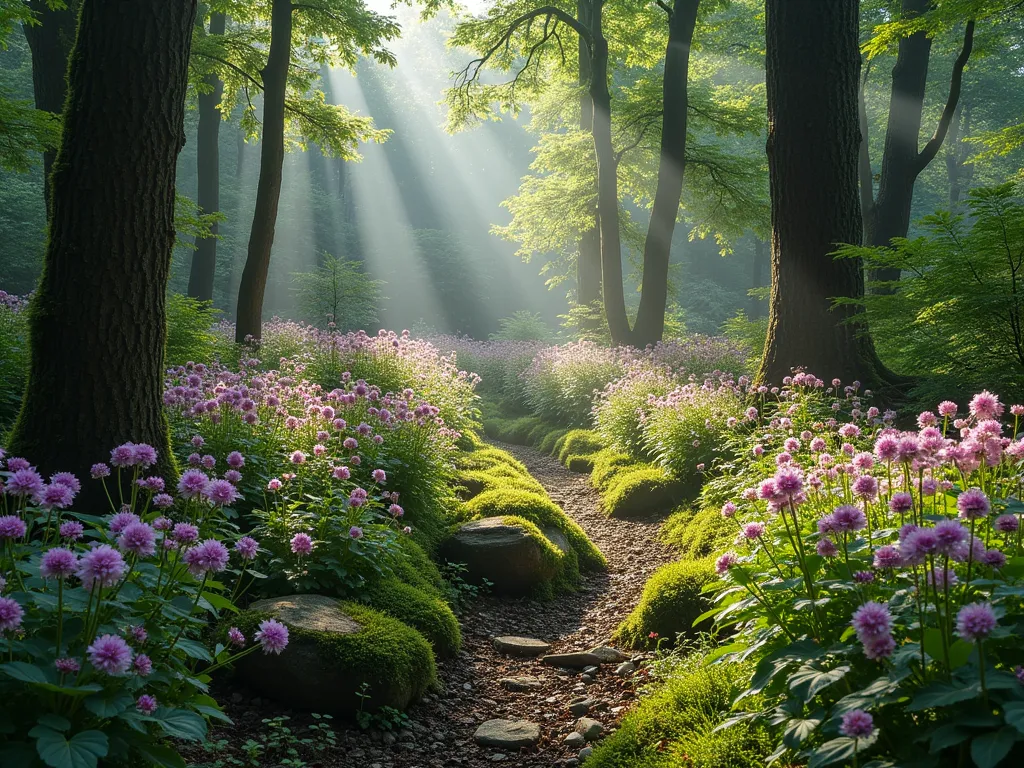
column 442, row 726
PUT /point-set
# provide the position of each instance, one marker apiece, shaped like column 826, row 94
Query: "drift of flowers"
column 102, row 618
column 877, row 576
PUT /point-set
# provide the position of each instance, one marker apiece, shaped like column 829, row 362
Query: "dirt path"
column 442, row 726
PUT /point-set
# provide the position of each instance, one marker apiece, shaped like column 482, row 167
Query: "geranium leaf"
column 83, row 750
column 989, row 749
column 1014, row 714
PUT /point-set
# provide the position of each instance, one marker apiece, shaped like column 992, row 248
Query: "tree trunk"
column 813, row 65
column 756, row 308
column 958, row 170
column 240, row 153
column 204, row 260
column 588, row 259
column 98, row 319
column 902, row 162
column 50, row 42
column 249, row 313
column 650, row 319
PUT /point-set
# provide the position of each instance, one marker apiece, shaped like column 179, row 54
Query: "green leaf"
column 26, row 673
column 219, row 602
column 181, row 724
column 159, row 755
column 1014, row 714
column 948, row 736
column 989, row 749
column 842, row 748
column 808, row 681
column 56, row 722
column 942, row 695
column 108, row 705
column 194, row 649
column 797, row 730
column 83, row 750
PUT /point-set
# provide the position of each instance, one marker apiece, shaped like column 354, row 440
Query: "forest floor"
column 440, row 730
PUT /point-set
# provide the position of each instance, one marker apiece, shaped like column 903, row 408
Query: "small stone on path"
column 580, row 708
column 526, row 647
column 589, row 728
column 608, row 655
column 625, row 669
column 521, row 683
column 510, row 734
column 576, row 660
column 575, row 740
column 586, row 752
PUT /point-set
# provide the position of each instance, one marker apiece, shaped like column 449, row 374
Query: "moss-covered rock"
column 484, row 458
column 675, row 726
column 538, row 433
column 547, row 443
column 671, row 600
column 477, row 481
column 509, row 552
column 582, row 464
column 643, row 491
column 579, row 442
column 424, row 612
column 338, row 653
column 698, row 534
column 607, row 463
column 414, row 567
column 540, row 511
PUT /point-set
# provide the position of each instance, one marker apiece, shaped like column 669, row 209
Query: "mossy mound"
column 424, row 612
column 671, row 600
column 341, row 658
column 543, row 513
column 515, row 430
column 416, row 568
column 547, row 443
column 538, row 433
column 485, row 458
column 699, row 534
column 640, row 492
column 582, row 464
column 477, row 481
column 675, row 726
column 579, row 442
column 609, row 462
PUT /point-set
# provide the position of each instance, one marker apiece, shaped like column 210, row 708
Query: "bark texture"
column 50, row 42
column 813, row 66
column 268, row 191
column 650, row 318
column 97, row 323
column 204, row 259
column 588, row 259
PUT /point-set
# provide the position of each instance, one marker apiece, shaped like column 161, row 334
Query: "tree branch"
column 664, row 7
column 956, row 82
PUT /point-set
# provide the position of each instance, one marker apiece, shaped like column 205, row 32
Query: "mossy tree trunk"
column 50, row 42
column 588, row 258
column 204, row 259
column 97, row 323
column 249, row 313
column 813, row 65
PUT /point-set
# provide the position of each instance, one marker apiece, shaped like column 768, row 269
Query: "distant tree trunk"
column 958, row 170
column 239, row 153
column 902, row 162
column 249, row 312
column 650, row 319
column 813, row 65
column 756, row 308
column 50, row 42
column 588, row 259
column 204, row 259
column 97, row 322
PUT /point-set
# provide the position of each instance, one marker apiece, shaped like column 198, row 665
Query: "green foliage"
column 579, row 442
column 190, row 334
column 14, row 358
column 522, row 326
column 581, row 464
column 621, row 410
column 515, row 431
column 562, row 382
column 672, row 599
column 542, row 512
column 414, row 567
column 675, row 725
column 477, row 481
column 641, row 491
column 749, row 335
column 424, row 612
column 339, row 294
column 608, row 463
column 698, row 534
column 959, row 309
column 550, row 440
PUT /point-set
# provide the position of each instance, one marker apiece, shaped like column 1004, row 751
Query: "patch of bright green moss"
column 579, row 442
column 422, row 611
column 671, row 600
column 564, row 564
column 414, row 567
column 547, row 443
column 607, row 463
column 580, row 464
column 641, row 491
column 485, row 458
column 699, row 534
column 477, row 481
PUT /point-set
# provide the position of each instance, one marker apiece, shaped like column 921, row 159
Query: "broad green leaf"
column 181, row 724
column 83, row 750
column 808, row 681
column 948, row 736
column 108, row 705
column 56, row 722
column 194, row 649
column 797, row 731
column 843, row 748
column 942, row 695
column 1014, row 714
column 26, row 673
column 989, row 749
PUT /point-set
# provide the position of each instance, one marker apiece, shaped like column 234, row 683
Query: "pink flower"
column 274, row 485
column 826, row 548
column 153, row 484
column 355, row 532
column 857, row 724
column 122, row 520
column 192, row 483
column 975, row 621
column 947, row 408
column 298, row 457
column 302, row 544
column 58, row 563
column 11, row 614
column 56, row 496
column 872, row 620
column 901, row 502
column 71, row 530
column 247, row 547
column 848, row 518
column 973, row 504
column 102, row 566
column 753, row 531
column 146, row 704
column 272, row 636
column 341, row 473
column 235, row 460
column 728, row 509
column 67, row 666
column 110, row 654
column 1007, row 523
column 139, row 539
column 220, row 492
column 985, row 405
column 887, row 557
column 142, row 665
column 98, row 471
column 725, row 562
column 123, row 455
column 379, row 476
column 235, row 637
column 185, row 533
column 209, row 557
column 68, row 479
column 12, row 527
column 24, row 482
column 396, row 511
column 163, row 501
column 866, row 487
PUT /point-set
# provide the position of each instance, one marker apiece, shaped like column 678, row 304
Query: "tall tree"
column 50, row 36
column 813, row 67
column 211, row 90
column 333, row 32
column 888, row 214
column 588, row 258
column 98, row 319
